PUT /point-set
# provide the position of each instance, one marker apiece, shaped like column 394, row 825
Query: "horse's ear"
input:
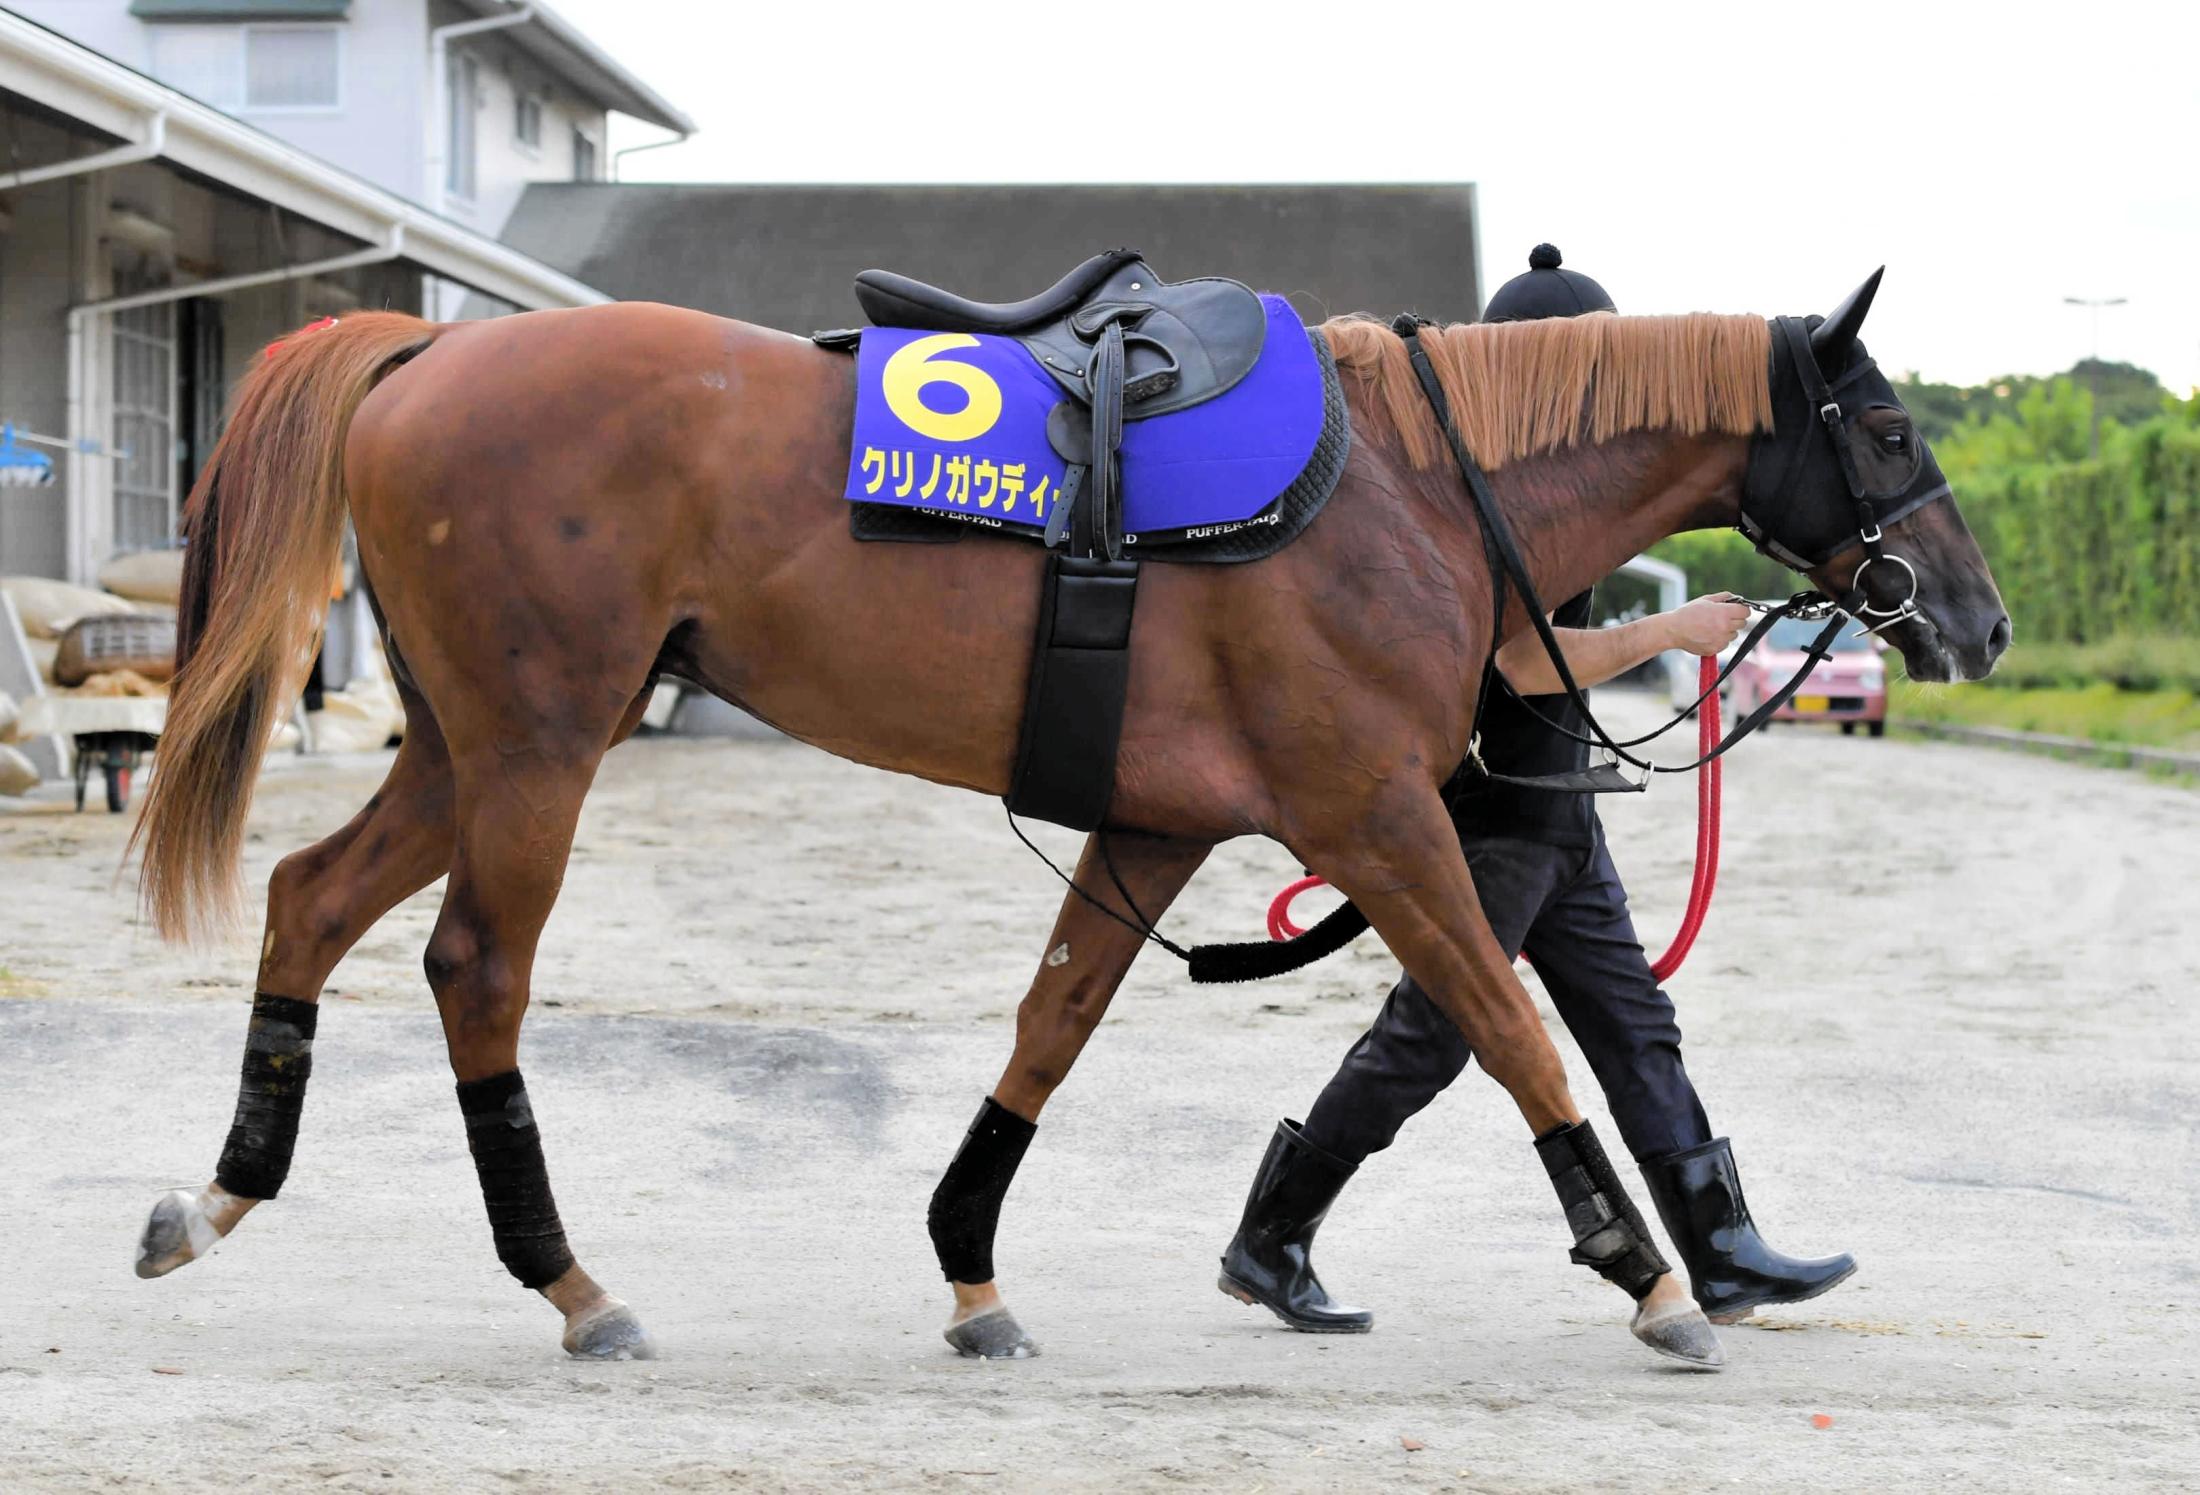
column 1831, row 338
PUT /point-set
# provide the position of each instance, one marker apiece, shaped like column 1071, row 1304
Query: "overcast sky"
column 1755, row 157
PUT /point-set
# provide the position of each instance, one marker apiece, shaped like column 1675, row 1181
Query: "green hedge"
column 2155, row 663
column 2087, row 552
column 2155, row 718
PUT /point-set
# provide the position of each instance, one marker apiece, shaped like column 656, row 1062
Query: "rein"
column 1508, row 566
column 1808, row 606
column 1255, row 961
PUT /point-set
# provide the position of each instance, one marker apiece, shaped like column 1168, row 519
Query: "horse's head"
column 1846, row 491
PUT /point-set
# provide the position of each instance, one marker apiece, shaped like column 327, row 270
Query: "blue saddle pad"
column 955, row 424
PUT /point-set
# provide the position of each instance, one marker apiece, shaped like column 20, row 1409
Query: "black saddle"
column 1183, row 343
column 1124, row 345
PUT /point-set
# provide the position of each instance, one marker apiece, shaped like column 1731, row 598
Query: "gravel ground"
column 1945, row 1004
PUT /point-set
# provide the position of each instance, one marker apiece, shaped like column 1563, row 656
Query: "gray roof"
column 783, row 256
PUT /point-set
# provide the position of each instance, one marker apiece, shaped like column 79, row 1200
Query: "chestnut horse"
column 556, row 508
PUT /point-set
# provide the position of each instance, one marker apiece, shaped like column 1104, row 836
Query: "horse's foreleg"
column 319, row 902
column 1402, row 865
column 1400, row 862
column 1086, row 959
column 515, row 819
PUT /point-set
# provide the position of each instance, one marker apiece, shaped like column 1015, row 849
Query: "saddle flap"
column 1069, row 432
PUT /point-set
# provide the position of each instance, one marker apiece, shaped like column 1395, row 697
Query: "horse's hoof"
column 609, row 1331
column 177, row 1232
column 1681, row 1333
column 992, row 1335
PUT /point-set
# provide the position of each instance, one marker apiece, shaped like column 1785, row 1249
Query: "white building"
column 181, row 181
column 455, row 104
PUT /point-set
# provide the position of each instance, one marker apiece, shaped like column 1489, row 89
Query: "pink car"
column 1849, row 685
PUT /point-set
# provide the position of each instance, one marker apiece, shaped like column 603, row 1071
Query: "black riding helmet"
column 1546, row 291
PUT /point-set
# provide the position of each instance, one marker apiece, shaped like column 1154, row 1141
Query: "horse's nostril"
column 1998, row 639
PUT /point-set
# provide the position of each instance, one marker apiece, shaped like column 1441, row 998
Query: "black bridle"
column 1777, row 464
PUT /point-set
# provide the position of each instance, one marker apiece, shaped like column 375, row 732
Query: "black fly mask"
column 1805, row 513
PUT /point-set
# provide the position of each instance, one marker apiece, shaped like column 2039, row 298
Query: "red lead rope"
column 1706, row 875
column 1707, row 828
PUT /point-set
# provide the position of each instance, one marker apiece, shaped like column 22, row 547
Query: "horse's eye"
column 1896, row 442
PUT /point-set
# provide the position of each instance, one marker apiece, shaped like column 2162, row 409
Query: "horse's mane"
column 1518, row 388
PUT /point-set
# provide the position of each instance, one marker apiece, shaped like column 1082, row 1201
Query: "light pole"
column 2093, row 362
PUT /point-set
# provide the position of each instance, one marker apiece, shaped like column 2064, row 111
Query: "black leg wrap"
column 500, row 1128
column 1609, row 1233
column 278, row 1060
column 966, row 1207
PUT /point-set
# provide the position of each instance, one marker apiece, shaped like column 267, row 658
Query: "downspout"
column 621, row 154
column 439, row 41
column 82, row 443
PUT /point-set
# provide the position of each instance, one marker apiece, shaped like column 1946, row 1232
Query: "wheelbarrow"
column 111, row 734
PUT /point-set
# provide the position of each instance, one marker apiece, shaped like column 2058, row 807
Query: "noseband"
column 1776, row 469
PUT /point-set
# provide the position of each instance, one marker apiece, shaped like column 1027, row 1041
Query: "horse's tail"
column 262, row 527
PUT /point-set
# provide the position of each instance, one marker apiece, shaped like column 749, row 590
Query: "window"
column 458, row 165
column 584, row 158
column 205, row 62
column 290, row 67
column 270, row 68
column 527, row 120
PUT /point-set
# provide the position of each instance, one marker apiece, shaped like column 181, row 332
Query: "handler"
column 1548, row 886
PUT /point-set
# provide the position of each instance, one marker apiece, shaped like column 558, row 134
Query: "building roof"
column 76, row 82
column 783, row 256
column 566, row 50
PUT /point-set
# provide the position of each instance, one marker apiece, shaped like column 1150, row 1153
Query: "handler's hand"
column 1708, row 624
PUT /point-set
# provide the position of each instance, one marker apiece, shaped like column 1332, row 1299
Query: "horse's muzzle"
column 1939, row 655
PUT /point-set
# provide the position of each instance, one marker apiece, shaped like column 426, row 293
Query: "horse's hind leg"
column 1087, row 957
column 320, row 901
column 517, row 808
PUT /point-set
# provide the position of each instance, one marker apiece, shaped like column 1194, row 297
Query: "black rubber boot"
column 1270, row 1258
column 1730, row 1268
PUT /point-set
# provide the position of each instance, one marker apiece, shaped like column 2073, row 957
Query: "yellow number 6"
column 912, row 368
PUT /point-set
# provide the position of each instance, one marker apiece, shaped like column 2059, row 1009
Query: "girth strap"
column 1073, row 707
